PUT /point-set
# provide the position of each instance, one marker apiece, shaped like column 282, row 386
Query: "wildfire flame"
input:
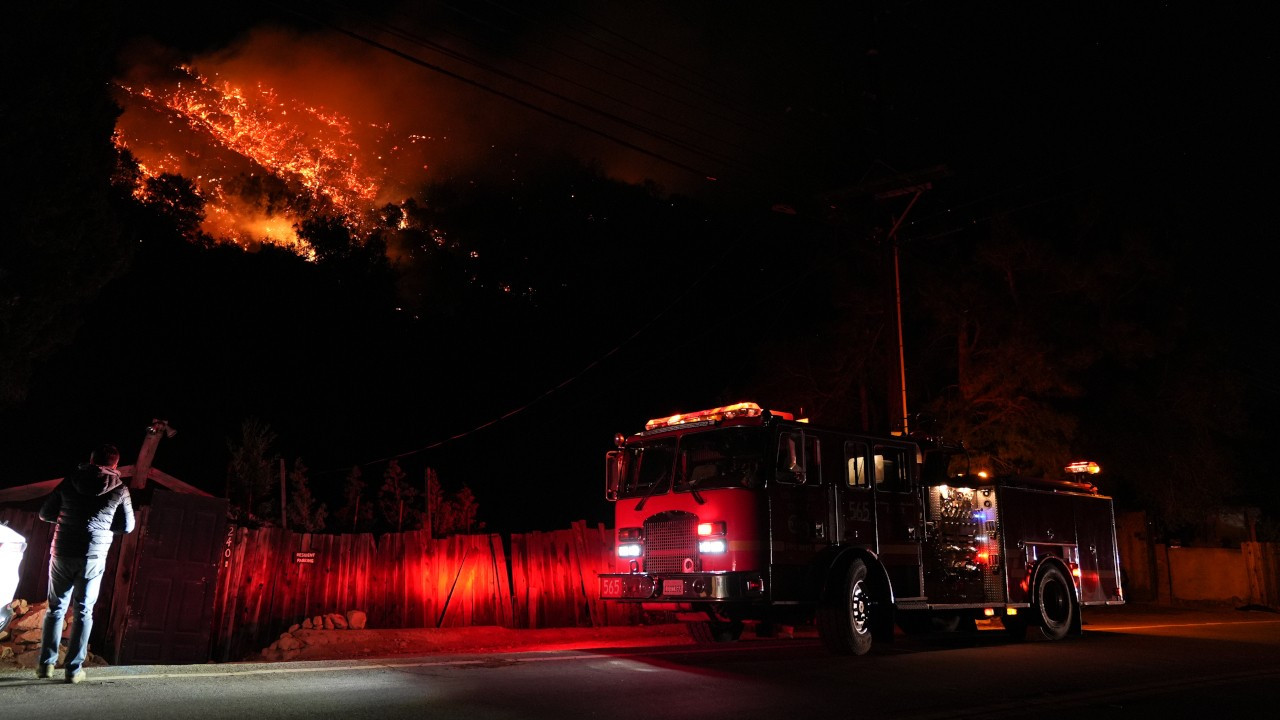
column 260, row 160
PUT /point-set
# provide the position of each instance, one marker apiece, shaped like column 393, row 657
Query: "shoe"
column 77, row 676
column 44, row 671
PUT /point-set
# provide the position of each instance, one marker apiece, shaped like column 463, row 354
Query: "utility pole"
column 909, row 183
column 916, row 191
column 147, row 454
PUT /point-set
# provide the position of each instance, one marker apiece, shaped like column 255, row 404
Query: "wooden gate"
column 171, row 575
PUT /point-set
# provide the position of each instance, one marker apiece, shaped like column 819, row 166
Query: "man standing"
column 89, row 506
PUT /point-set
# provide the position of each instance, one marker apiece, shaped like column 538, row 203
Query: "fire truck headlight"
column 711, row 547
column 629, row 550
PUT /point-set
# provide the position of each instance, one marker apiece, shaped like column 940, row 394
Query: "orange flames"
column 261, row 161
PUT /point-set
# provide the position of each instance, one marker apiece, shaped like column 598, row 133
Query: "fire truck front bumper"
column 690, row 586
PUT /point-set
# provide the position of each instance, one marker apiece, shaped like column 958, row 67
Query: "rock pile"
column 20, row 642
column 291, row 642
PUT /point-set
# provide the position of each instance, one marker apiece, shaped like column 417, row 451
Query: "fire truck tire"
column 715, row 631
column 1054, row 611
column 844, row 616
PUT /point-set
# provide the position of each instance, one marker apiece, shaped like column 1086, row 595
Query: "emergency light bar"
column 742, row 409
column 1084, row 467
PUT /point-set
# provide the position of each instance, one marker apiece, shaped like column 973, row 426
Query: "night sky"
column 643, row 204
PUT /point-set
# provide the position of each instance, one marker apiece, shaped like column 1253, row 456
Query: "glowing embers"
column 727, row 412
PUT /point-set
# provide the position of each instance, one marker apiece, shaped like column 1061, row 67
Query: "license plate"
column 672, row 587
column 611, row 587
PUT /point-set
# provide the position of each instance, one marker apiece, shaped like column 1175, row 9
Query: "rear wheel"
column 715, row 631
column 1055, row 609
column 844, row 617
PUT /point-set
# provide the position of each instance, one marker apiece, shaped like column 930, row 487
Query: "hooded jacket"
column 89, row 506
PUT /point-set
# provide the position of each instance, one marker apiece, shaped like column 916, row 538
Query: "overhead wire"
column 613, row 117
column 702, row 172
column 736, row 121
column 609, row 96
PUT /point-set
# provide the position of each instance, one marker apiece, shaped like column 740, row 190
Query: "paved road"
column 1129, row 664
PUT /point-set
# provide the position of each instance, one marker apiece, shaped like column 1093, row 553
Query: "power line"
column 659, row 135
column 561, row 77
column 481, row 86
column 607, row 53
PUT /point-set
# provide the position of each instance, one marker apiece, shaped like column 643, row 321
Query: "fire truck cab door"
column 856, row 515
column 899, row 515
column 800, row 514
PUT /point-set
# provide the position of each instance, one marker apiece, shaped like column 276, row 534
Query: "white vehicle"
column 12, row 546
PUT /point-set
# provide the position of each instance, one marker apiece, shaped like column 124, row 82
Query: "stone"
column 339, row 621
column 328, row 623
column 29, row 636
column 32, row 620
column 294, row 627
column 6, row 653
column 356, row 619
column 306, row 623
column 317, row 622
column 288, row 642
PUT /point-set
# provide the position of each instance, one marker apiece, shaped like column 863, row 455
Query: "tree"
column 176, row 202
column 450, row 515
column 251, row 475
column 304, row 513
column 396, row 500
column 356, row 513
column 1001, row 318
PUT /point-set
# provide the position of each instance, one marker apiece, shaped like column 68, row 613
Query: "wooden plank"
column 501, row 582
column 519, row 582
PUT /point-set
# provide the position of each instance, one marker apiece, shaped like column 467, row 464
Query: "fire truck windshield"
column 706, row 460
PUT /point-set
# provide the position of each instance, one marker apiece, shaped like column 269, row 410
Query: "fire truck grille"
column 669, row 538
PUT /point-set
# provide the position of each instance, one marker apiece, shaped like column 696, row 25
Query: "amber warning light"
column 742, row 409
column 1084, row 468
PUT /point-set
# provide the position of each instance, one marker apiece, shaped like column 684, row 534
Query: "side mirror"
column 612, row 474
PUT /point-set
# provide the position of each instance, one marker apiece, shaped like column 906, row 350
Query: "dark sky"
column 1152, row 112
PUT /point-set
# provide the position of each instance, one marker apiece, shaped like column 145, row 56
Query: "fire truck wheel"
column 844, row 616
column 715, row 632
column 1054, row 610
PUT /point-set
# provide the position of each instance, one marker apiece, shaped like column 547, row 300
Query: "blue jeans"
column 75, row 582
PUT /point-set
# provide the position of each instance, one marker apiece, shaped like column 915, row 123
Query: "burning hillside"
column 261, row 158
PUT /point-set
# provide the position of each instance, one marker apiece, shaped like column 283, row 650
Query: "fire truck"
column 740, row 515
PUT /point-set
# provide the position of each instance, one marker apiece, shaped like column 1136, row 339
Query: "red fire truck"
column 742, row 515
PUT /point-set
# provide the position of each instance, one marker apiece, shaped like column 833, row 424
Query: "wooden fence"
column 270, row 579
